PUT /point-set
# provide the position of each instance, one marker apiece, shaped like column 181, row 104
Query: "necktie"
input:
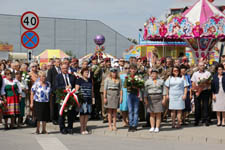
column 67, row 82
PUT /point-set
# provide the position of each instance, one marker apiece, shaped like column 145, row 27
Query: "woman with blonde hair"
column 40, row 93
column 112, row 95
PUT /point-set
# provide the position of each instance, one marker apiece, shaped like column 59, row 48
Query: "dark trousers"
column 54, row 112
column 202, row 106
column 96, row 108
column 70, row 115
column 142, row 111
column 147, row 118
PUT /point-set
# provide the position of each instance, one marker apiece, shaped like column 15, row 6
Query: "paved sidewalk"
column 187, row 134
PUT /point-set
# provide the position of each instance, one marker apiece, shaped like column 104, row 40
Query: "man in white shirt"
column 204, row 95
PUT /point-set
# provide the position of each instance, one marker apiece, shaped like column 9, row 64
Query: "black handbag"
column 30, row 122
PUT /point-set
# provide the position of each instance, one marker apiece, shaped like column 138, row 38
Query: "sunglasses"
column 175, row 70
column 126, row 68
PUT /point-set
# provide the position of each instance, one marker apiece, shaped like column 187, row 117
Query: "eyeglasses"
column 34, row 66
column 126, row 68
column 175, row 70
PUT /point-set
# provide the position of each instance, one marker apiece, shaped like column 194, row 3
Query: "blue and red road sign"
column 30, row 39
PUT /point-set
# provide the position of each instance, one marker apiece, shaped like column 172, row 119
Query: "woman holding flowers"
column 133, row 83
column 154, row 90
column 176, row 86
column 112, row 95
column 39, row 98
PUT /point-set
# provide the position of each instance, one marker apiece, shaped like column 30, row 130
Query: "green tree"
column 70, row 53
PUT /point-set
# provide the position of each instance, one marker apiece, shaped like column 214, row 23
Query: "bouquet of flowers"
column 201, row 84
column 136, row 81
column 25, row 78
column 205, row 81
column 60, row 96
column 94, row 68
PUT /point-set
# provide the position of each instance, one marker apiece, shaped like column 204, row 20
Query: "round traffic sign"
column 29, row 20
column 30, row 39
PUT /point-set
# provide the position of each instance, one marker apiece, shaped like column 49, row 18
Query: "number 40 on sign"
column 29, row 20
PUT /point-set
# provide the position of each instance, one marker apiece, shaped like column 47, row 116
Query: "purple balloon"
column 99, row 40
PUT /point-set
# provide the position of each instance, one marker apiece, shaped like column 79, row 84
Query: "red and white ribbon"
column 69, row 93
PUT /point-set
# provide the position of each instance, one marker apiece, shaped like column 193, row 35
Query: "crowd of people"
column 172, row 88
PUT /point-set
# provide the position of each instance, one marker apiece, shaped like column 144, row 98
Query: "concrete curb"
column 181, row 138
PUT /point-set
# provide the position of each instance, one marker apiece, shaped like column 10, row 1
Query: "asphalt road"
column 23, row 139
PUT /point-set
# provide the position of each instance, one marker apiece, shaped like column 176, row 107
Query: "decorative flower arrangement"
column 60, row 96
column 136, row 81
column 202, row 83
column 25, row 78
column 205, row 81
column 94, row 67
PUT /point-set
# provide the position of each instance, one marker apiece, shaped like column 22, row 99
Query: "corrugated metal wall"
column 66, row 34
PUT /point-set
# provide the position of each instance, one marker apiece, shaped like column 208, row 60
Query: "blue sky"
column 125, row 16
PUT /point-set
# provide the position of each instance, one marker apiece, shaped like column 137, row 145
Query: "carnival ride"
column 201, row 27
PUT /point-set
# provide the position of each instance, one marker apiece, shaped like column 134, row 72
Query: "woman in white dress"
column 176, row 86
column 218, row 90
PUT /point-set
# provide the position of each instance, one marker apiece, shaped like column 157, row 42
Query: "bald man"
column 203, row 97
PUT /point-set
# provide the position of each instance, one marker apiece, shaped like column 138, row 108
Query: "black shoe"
column 196, row 124
column 105, row 121
column 130, row 129
column 218, row 125
column 146, row 125
column 63, row 131
column 134, row 129
column 206, row 123
column 54, row 122
column 70, row 131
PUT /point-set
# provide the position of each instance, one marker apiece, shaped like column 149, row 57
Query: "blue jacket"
column 215, row 83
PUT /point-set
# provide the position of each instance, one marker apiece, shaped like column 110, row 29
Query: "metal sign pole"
column 29, row 56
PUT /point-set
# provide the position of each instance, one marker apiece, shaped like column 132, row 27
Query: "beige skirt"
column 155, row 103
column 113, row 98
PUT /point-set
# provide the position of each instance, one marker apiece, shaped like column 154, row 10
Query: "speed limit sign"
column 29, row 20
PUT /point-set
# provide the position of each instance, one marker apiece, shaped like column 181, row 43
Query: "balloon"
column 99, row 40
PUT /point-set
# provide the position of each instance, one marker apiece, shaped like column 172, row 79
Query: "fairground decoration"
column 99, row 41
column 201, row 27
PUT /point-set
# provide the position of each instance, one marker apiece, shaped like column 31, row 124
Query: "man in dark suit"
column 66, row 81
column 52, row 73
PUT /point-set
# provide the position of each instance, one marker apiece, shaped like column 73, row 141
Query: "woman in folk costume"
column 11, row 93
